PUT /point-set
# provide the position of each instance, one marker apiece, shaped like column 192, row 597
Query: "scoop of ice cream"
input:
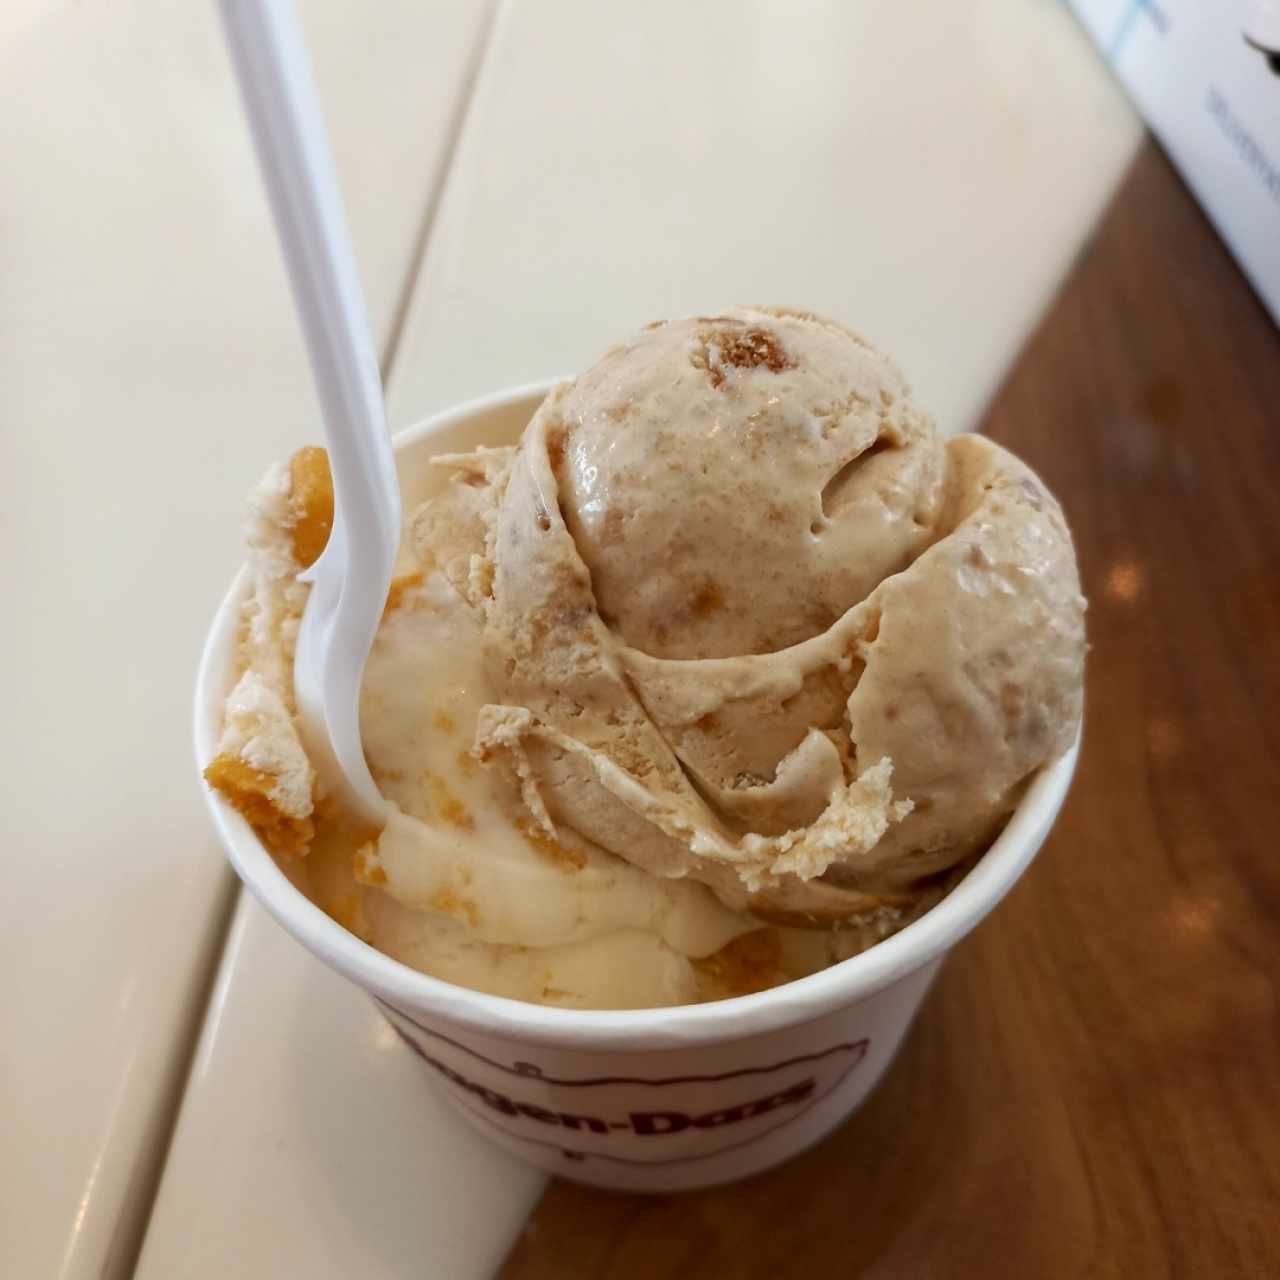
column 751, row 622
column 734, row 483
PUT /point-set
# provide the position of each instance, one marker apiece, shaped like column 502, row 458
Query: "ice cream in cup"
column 715, row 700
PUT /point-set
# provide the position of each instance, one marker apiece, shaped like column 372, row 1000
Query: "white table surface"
column 149, row 368
column 332, row 1158
column 928, row 178
column 923, row 171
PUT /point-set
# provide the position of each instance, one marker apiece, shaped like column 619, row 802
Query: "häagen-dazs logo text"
column 628, row 1119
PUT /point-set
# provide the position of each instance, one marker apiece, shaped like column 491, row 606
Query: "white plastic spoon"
column 349, row 582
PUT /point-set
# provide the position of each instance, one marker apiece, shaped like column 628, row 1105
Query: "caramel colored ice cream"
column 727, row 671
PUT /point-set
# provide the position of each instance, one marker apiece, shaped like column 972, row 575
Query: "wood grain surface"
column 1093, row 1086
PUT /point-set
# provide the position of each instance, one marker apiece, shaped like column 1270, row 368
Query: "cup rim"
column 800, row 1000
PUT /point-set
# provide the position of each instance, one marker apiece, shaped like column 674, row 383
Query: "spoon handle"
column 297, row 168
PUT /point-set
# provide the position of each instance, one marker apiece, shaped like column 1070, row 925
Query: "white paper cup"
column 648, row 1100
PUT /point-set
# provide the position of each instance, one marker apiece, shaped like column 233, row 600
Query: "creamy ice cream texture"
column 726, row 672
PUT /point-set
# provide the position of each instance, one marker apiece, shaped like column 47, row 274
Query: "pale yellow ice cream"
column 724, row 674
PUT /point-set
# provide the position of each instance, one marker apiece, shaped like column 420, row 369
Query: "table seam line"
column 130, row 1243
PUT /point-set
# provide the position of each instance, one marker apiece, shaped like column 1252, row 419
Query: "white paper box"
column 1206, row 75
